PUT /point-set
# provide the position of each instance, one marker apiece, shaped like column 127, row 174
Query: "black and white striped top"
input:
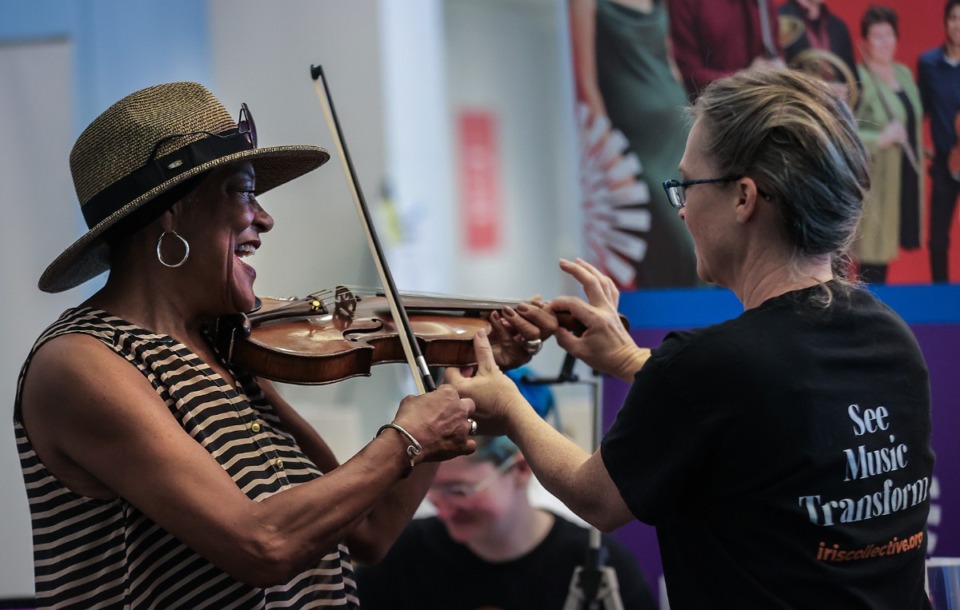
column 91, row 553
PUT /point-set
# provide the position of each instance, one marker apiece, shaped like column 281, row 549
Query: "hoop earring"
column 186, row 254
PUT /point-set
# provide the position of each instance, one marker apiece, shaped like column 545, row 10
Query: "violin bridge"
column 344, row 307
column 226, row 330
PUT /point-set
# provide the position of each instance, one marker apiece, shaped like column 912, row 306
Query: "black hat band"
column 158, row 171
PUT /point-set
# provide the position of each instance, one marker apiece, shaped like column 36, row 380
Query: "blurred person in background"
column 715, row 38
column 808, row 27
column 938, row 76
column 889, row 116
column 488, row 547
column 625, row 71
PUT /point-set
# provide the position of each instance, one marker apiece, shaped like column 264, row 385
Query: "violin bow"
column 766, row 35
column 411, row 349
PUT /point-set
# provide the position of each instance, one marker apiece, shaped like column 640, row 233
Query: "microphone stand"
column 593, row 585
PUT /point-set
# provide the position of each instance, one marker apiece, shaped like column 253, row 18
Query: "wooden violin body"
column 320, row 340
column 328, row 337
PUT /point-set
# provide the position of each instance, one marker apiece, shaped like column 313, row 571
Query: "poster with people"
column 637, row 63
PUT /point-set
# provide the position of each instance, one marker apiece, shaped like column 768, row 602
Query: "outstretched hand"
column 494, row 395
column 605, row 344
column 517, row 335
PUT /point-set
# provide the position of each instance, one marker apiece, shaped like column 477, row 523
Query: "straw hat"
column 148, row 143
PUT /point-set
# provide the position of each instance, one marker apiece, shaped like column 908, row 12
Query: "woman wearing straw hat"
column 158, row 475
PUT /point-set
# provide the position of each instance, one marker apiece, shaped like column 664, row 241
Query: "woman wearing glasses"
column 784, row 455
column 158, row 474
column 487, row 547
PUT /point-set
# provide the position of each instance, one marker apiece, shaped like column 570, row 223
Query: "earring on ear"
column 186, row 247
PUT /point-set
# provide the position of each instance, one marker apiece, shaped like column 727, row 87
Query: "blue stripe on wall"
column 684, row 308
column 119, row 46
column 32, row 19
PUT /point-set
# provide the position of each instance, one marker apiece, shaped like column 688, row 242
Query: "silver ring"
column 473, row 427
column 533, row 346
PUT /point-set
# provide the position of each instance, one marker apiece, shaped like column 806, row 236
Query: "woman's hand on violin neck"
column 604, row 343
column 495, row 396
column 515, row 330
column 440, row 421
column 600, row 289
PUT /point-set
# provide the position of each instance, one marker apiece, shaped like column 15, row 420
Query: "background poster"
column 614, row 46
column 632, row 134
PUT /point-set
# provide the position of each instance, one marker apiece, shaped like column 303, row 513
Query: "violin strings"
column 440, row 301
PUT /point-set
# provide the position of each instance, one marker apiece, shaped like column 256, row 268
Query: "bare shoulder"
column 69, row 370
column 77, row 398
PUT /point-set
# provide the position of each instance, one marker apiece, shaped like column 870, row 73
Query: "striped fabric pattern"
column 96, row 554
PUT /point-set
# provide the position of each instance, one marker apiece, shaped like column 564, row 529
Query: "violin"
column 335, row 335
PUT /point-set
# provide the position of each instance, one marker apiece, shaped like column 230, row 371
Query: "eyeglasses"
column 246, row 129
column 677, row 189
column 245, row 125
column 460, row 491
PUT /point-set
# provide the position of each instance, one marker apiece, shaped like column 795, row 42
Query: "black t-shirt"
column 784, row 457
column 427, row 570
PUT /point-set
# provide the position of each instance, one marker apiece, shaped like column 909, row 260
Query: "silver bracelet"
column 413, row 449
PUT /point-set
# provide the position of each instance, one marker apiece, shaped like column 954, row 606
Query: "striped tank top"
column 91, row 553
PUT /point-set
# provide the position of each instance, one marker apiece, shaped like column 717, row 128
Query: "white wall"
column 398, row 70
column 62, row 63
column 317, row 242
column 508, row 57
column 35, row 120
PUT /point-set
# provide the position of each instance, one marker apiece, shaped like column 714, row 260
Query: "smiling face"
column 483, row 513
column 881, row 43
column 223, row 221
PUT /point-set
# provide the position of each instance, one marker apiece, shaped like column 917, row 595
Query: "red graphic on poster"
column 481, row 198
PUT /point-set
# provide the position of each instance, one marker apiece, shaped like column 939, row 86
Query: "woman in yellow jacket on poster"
column 889, row 115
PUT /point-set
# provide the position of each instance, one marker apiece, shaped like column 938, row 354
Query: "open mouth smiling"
column 245, row 250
